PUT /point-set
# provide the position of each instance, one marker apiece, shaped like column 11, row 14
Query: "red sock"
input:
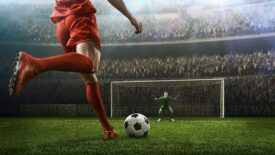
column 69, row 62
column 94, row 98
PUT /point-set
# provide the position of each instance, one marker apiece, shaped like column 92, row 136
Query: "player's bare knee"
column 87, row 48
column 84, row 48
column 90, row 50
column 89, row 78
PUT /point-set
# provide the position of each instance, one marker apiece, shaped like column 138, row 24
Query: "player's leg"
column 171, row 112
column 92, row 88
column 160, row 113
column 28, row 67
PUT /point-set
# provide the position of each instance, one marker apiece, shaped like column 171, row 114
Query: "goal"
column 194, row 97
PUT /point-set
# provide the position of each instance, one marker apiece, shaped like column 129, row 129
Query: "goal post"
column 202, row 96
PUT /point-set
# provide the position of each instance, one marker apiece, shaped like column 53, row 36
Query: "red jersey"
column 64, row 8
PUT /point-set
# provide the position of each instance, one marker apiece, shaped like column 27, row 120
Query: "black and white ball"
column 137, row 125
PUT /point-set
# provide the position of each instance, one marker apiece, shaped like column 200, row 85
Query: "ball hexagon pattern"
column 137, row 125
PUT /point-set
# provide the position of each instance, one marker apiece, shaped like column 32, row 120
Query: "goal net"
column 194, row 97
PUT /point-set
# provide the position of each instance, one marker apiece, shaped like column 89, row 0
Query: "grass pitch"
column 83, row 135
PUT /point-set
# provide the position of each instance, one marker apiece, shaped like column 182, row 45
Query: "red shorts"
column 77, row 28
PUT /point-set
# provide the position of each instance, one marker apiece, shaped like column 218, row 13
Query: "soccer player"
column 165, row 105
column 77, row 31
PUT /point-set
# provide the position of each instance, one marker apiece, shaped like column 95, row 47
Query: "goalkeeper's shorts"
column 165, row 108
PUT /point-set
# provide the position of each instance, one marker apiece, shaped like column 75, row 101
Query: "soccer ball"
column 137, row 125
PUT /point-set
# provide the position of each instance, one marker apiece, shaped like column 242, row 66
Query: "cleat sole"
column 13, row 78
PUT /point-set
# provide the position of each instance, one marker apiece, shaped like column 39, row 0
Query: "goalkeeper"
column 165, row 105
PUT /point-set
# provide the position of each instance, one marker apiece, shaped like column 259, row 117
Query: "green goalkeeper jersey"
column 165, row 101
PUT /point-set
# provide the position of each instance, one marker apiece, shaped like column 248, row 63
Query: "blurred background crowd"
column 249, row 76
column 181, row 20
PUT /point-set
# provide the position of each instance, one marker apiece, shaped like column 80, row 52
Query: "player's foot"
column 110, row 134
column 159, row 120
column 172, row 120
column 24, row 71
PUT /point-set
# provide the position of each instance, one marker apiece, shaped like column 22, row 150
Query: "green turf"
column 185, row 136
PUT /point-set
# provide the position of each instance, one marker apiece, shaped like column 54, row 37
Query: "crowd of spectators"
column 33, row 25
column 234, row 64
column 249, row 77
column 240, row 21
